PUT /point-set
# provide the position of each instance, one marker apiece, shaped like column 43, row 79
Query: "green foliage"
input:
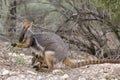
column 20, row 59
column 113, row 7
column 113, row 4
column 40, row 7
column 12, row 49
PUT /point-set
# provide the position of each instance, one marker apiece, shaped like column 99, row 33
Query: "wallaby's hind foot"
column 48, row 55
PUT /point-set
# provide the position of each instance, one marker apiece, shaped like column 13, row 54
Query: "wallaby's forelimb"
column 24, row 44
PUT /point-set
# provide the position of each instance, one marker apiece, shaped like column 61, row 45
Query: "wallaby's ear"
column 26, row 24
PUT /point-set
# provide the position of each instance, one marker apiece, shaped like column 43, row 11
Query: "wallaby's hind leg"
column 49, row 60
column 69, row 63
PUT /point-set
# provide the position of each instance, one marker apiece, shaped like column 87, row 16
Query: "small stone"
column 14, row 73
column 23, row 55
column 39, row 77
column 12, row 54
column 22, row 76
column 5, row 72
column 50, row 75
column 81, row 78
column 13, row 78
column 31, row 72
column 65, row 76
column 103, row 79
column 58, row 72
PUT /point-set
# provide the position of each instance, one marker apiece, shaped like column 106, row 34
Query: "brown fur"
column 25, row 44
column 26, row 24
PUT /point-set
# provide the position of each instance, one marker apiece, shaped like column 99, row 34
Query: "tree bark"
column 11, row 20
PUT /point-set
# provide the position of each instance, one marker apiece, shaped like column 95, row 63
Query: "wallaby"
column 52, row 46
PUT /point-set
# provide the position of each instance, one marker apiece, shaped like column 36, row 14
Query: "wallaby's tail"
column 68, row 62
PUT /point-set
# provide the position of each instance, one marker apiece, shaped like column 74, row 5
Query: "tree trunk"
column 11, row 20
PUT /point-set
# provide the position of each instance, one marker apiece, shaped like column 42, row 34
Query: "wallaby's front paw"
column 14, row 44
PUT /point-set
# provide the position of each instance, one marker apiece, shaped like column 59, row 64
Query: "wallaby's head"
column 37, row 61
column 25, row 26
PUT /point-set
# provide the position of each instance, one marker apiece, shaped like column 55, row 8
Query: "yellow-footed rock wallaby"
column 52, row 46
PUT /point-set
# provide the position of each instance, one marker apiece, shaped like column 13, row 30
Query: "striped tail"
column 69, row 63
column 99, row 61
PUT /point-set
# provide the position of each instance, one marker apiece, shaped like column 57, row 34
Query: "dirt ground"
column 15, row 64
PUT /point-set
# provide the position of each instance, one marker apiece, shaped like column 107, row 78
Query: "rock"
column 22, row 54
column 22, row 76
column 14, row 73
column 31, row 72
column 82, row 78
column 12, row 54
column 5, row 72
column 64, row 77
column 57, row 72
column 112, row 42
column 116, row 69
column 14, row 78
column 103, row 79
column 50, row 75
column 39, row 77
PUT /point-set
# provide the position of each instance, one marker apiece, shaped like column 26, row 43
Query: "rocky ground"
column 16, row 65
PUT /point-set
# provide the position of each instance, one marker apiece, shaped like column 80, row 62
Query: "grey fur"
column 48, row 41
